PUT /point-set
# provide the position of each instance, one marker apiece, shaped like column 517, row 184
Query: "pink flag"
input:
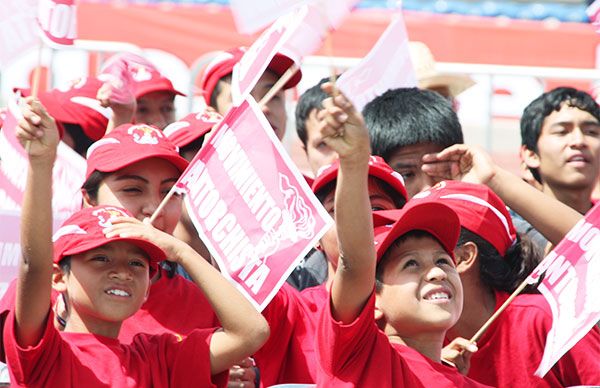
column 387, row 66
column 57, row 20
column 68, row 173
column 17, row 28
column 309, row 36
column 250, row 68
column 250, row 205
column 572, row 288
column 10, row 249
column 251, row 16
column 593, row 12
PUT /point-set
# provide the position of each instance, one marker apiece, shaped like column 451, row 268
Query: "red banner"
column 387, row 66
column 68, row 173
column 250, row 205
column 58, row 21
column 572, row 287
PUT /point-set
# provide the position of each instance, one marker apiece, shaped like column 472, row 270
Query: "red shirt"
column 360, row 355
column 289, row 354
column 174, row 305
column 511, row 349
column 88, row 360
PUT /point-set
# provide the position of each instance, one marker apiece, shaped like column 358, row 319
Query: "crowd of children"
column 430, row 238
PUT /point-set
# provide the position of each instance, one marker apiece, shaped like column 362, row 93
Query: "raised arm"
column 244, row 328
column 550, row 217
column 38, row 130
column 343, row 129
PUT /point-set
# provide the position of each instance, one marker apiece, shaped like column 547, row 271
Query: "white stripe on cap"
column 94, row 104
column 481, row 202
column 174, row 127
column 100, row 143
column 66, row 230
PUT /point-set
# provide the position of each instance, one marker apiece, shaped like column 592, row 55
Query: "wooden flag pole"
column 35, row 83
column 278, row 85
column 162, row 205
column 486, row 325
column 329, row 53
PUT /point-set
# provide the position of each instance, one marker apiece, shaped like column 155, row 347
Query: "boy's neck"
column 428, row 344
column 577, row 199
column 89, row 325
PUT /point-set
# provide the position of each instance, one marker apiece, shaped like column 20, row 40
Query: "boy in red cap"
column 405, row 278
column 105, row 259
column 289, row 354
column 493, row 260
column 216, row 85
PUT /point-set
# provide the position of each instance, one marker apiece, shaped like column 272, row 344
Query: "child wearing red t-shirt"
column 418, row 294
column 103, row 259
column 289, row 354
column 493, row 260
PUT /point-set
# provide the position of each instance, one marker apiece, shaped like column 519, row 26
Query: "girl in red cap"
column 104, row 262
column 414, row 292
column 493, row 261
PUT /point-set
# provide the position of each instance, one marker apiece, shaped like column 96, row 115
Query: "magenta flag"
column 572, row 288
column 250, row 205
column 18, row 32
column 386, row 66
column 57, row 20
column 68, row 173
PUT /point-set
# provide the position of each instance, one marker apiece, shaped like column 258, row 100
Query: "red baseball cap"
column 77, row 104
column 223, row 63
column 378, row 168
column 130, row 143
column 191, row 127
column 83, row 231
column 145, row 77
column 429, row 216
column 479, row 209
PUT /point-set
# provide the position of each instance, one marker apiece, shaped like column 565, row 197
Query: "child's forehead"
column 415, row 241
column 118, row 247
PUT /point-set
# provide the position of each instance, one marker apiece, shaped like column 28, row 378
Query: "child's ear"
column 466, row 257
column 58, row 279
column 530, row 158
column 379, row 317
column 87, row 200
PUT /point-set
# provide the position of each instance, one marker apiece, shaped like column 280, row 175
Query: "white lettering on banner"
column 3, row 288
column 246, row 181
column 59, row 20
column 10, row 253
column 223, row 227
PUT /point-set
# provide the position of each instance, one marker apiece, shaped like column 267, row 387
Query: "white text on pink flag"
column 250, row 205
column 58, row 21
column 18, row 32
column 571, row 287
column 387, row 66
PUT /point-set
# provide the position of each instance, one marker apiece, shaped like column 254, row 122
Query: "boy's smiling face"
column 421, row 289
column 105, row 286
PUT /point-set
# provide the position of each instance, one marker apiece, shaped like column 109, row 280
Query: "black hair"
column 399, row 200
column 81, row 140
column 385, row 260
column 192, row 146
column 91, row 186
column 508, row 272
column 536, row 112
column 310, row 100
column 409, row 116
column 218, row 88
column 65, row 264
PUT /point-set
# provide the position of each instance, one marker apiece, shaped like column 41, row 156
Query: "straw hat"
column 429, row 77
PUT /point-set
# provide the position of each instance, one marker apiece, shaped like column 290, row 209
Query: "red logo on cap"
column 210, row 116
column 107, row 214
column 144, row 134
